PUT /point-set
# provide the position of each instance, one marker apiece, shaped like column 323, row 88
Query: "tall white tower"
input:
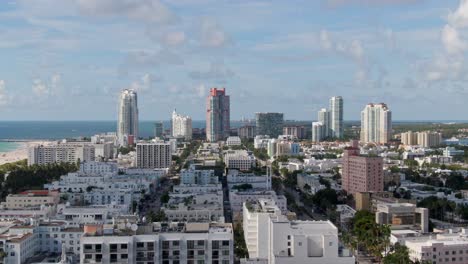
column 128, row 116
column 336, row 117
column 376, row 123
column 181, row 126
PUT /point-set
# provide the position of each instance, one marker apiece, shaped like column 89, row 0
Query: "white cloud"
column 39, row 88
column 459, row 18
column 173, row 38
column 451, row 40
column 212, row 35
column 325, row 41
column 144, row 84
column 149, row 11
column 4, row 98
column 201, row 91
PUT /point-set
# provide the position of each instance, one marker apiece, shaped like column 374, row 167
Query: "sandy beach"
column 20, row 153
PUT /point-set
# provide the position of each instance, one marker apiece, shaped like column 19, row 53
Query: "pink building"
column 217, row 115
column 361, row 173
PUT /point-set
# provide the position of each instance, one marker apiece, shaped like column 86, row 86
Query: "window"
column 225, row 243
column 124, row 256
column 88, row 256
column 140, row 244
column 123, row 246
column 113, row 258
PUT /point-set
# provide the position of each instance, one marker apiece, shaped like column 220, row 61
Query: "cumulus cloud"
column 325, row 40
column 39, row 88
column 175, row 38
column 212, row 34
column 218, row 71
column 459, row 18
column 451, row 40
column 149, row 11
column 4, row 98
column 145, row 83
column 150, row 59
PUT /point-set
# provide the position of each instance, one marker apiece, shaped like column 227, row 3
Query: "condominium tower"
column 181, row 126
column 217, row 115
column 270, row 124
column 156, row 155
column 336, row 117
column 376, row 123
column 128, row 116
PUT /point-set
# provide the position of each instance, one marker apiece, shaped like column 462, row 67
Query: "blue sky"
column 68, row 59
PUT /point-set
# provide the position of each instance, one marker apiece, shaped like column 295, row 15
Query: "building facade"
column 158, row 130
column 361, row 173
column 376, row 124
column 218, row 113
column 298, row 132
column 181, row 126
column 270, row 124
column 153, row 155
column 247, row 131
column 128, row 116
column 336, row 117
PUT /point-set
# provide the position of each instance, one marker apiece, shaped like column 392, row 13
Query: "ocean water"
column 55, row 130
column 8, row 146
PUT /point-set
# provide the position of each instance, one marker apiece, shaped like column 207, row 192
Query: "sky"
column 69, row 59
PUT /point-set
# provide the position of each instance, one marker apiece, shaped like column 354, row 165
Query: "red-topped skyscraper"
column 217, row 115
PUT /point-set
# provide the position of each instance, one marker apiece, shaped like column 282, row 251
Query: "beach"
column 19, row 153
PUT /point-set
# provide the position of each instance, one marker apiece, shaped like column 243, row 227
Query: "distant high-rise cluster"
column 329, row 121
column 376, row 123
column 181, row 126
column 424, row 139
column 158, row 129
column 270, row 124
column 217, row 115
column 128, row 116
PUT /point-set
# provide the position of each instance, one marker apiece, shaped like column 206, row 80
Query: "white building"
column 61, row 152
column 236, row 178
column 272, row 236
column 18, row 247
column 198, row 177
column 261, row 141
column 238, row 198
column 336, row 117
column 181, row 126
column 312, row 181
column 317, row 131
column 239, row 159
column 156, row 155
column 159, row 243
column 128, row 116
column 451, row 152
column 376, row 124
column 233, row 141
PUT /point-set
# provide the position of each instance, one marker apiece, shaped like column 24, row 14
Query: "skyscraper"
column 181, row 126
column 324, row 118
column 270, row 124
column 376, row 123
column 217, row 115
column 317, row 130
column 336, row 117
column 128, row 116
column 158, row 129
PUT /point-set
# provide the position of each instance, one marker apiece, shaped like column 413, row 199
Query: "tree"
column 165, row 198
column 398, row 255
column 325, row 199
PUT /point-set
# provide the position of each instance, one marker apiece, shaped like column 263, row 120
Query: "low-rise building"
column 233, row 141
column 32, row 198
column 403, row 216
column 237, row 178
column 239, row 159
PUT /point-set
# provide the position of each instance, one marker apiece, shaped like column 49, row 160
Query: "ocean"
column 8, row 146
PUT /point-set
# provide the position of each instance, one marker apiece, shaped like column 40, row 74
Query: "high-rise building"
column 298, row 132
column 158, row 129
column 409, row 138
column 246, row 131
column 429, row 139
column 156, row 155
column 128, row 116
column 270, row 124
column 61, row 152
column 376, row 123
column 361, row 173
column 217, row 115
column 317, row 131
column 336, row 117
column 181, row 126
column 324, row 118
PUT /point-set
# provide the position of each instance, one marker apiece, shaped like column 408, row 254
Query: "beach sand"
column 20, row 153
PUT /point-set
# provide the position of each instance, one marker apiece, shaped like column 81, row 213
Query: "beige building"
column 409, row 138
column 376, row 124
column 424, row 139
column 31, row 199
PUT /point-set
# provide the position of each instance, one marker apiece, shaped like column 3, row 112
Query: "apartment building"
column 157, row 155
column 32, row 198
column 239, row 159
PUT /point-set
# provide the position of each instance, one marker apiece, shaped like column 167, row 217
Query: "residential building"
column 237, row 178
column 247, row 131
column 278, row 148
column 128, row 116
column 270, row 124
column 217, row 115
column 309, row 183
column 237, row 198
column 233, row 141
column 429, row 139
column 198, row 177
column 323, row 117
column 156, row 155
column 159, row 243
column 298, row 132
column 158, row 129
column 32, row 198
column 261, row 141
column 18, row 247
column 451, row 152
column 409, row 138
column 181, row 126
column 317, row 131
column 69, row 152
column 376, row 124
column 273, row 236
column 239, row 159
column 361, row 173
column 336, row 117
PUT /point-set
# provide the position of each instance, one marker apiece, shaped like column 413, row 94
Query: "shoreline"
column 21, row 152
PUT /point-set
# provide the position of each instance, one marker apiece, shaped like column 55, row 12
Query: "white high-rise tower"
column 376, row 123
column 181, row 126
column 336, row 117
column 128, row 116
